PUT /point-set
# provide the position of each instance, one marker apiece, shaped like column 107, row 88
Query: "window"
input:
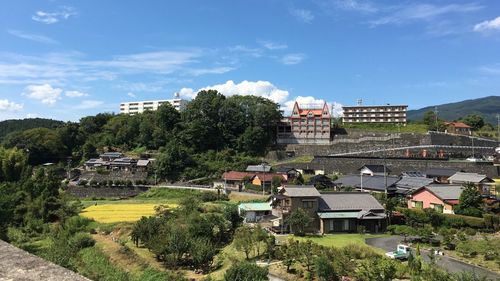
column 417, row 204
column 307, row 204
column 437, row 207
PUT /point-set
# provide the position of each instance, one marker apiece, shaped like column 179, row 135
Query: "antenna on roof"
column 359, row 102
column 177, row 95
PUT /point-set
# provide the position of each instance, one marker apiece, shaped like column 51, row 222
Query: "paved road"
column 450, row 264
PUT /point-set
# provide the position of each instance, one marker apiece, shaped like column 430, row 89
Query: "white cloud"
column 75, row 94
column 10, row 105
column 309, row 101
column 488, row 25
column 424, row 12
column 31, row 36
column 302, row 15
column 293, row 59
column 355, row 5
column 54, row 17
column 44, row 93
column 132, row 95
column 273, row 45
column 215, row 70
column 258, row 88
column 89, row 104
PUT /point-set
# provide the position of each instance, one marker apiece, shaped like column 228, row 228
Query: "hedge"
column 415, row 216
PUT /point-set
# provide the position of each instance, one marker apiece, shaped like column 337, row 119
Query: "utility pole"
column 436, row 118
column 361, row 175
column 498, row 128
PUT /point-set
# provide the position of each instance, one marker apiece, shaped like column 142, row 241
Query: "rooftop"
column 440, row 172
column 343, row 201
column 444, row 192
column 468, row 177
column 300, row 191
column 255, row 206
column 262, row 168
column 376, row 168
column 376, row 183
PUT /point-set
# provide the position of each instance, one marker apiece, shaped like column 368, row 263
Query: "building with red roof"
column 306, row 124
column 458, row 128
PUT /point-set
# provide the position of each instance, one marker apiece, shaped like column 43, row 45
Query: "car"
column 402, row 253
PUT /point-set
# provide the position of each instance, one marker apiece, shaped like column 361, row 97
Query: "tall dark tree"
column 476, row 121
column 470, row 201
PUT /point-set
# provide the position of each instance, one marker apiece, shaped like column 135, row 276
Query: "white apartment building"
column 395, row 114
column 141, row 106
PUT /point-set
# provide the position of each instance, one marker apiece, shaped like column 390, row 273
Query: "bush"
column 81, row 241
column 95, row 265
column 82, row 183
column 361, row 229
column 358, row 252
column 470, row 231
column 246, row 271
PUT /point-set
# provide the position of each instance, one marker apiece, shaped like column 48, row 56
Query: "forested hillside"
column 9, row 126
column 487, row 107
column 212, row 134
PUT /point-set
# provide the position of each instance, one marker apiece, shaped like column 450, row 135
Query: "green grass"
column 299, row 159
column 338, row 240
column 409, row 128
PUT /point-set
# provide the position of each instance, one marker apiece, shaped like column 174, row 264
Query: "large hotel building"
column 388, row 114
column 141, row 106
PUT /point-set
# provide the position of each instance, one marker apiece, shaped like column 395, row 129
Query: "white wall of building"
column 141, row 106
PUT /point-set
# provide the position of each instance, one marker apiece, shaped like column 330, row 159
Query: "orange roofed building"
column 306, row 124
column 458, row 128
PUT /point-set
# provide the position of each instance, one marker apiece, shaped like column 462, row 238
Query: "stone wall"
column 350, row 165
column 355, row 141
column 105, row 192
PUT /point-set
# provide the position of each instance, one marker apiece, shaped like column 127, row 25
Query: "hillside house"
column 261, row 168
column 333, row 212
column 376, row 183
column 291, row 173
column 441, row 198
column 265, row 180
column 374, row 170
column 236, row 179
column 483, row 183
column 458, row 128
column 440, row 175
column 254, row 212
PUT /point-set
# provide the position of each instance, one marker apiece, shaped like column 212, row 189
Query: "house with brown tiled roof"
column 458, row 128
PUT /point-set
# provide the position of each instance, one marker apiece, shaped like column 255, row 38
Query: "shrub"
column 82, row 183
column 81, row 241
column 246, row 271
column 361, row 229
column 470, row 231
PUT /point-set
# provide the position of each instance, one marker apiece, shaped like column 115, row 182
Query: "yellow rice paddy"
column 108, row 213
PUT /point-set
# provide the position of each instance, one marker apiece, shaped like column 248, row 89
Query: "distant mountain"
column 9, row 126
column 487, row 107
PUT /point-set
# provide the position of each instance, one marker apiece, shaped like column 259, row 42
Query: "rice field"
column 109, row 213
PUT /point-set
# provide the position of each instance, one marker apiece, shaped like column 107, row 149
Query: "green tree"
column 430, row 120
column 376, row 269
column 202, row 252
column 325, row 269
column 299, row 180
column 246, row 271
column 173, row 159
column 474, row 120
column 244, row 240
column 297, row 221
column 470, row 201
column 275, row 183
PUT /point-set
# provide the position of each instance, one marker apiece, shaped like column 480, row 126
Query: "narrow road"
column 448, row 263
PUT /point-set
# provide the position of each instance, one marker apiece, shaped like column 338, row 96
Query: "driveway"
column 450, row 264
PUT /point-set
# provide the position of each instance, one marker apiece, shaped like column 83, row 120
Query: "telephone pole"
column 498, row 128
column 436, row 118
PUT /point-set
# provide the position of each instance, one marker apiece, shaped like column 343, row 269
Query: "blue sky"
column 68, row 59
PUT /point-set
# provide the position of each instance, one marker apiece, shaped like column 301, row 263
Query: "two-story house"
column 330, row 212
